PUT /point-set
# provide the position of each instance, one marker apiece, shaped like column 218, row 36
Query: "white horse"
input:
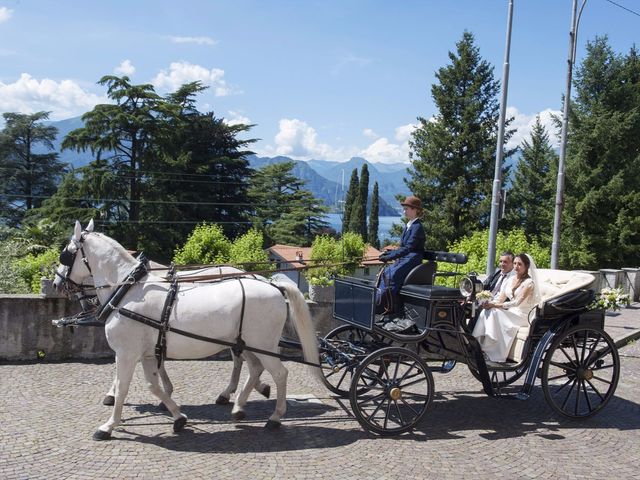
column 88, row 291
column 255, row 309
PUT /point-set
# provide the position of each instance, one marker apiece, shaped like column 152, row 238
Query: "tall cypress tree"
column 374, row 217
column 349, row 200
column 453, row 153
column 530, row 202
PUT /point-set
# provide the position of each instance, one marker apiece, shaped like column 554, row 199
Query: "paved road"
column 48, row 413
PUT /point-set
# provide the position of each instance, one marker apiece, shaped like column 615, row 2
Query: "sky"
column 319, row 79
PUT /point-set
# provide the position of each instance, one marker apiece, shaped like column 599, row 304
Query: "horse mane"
column 116, row 246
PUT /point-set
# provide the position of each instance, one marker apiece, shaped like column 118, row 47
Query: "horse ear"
column 90, row 226
column 77, row 231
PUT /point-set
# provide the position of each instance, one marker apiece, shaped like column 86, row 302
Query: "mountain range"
column 327, row 180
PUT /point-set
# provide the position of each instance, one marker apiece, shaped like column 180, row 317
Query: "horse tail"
column 303, row 324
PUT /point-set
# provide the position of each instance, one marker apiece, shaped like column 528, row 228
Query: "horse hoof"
column 266, row 391
column 222, row 400
column 239, row 415
column 179, row 424
column 101, row 435
column 109, row 400
column 272, row 425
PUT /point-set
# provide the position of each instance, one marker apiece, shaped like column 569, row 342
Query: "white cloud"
column 236, row 118
column 184, row 72
column 524, row 123
column 385, row 151
column 196, row 40
column 125, row 68
column 403, row 132
column 369, row 133
column 5, row 14
column 299, row 140
column 64, row 98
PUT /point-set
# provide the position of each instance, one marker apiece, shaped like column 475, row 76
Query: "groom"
column 498, row 279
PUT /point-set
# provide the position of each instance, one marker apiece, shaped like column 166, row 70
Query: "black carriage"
column 388, row 376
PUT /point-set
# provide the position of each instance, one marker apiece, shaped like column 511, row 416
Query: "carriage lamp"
column 471, row 285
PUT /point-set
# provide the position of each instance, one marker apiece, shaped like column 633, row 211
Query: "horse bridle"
column 68, row 259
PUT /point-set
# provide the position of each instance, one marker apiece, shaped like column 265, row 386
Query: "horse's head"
column 73, row 268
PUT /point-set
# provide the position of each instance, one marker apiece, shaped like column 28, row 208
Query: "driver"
column 409, row 255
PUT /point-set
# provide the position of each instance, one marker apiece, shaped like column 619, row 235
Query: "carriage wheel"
column 580, row 372
column 391, row 391
column 350, row 345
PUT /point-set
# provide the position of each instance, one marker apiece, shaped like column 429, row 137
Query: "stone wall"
column 26, row 329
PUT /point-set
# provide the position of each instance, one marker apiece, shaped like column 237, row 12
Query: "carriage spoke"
column 402, row 422
column 586, row 395
column 603, row 367
column 408, row 406
column 568, row 357
column 557, row 377
column 379, row 406
column 603, row 380
column 386, row 417
column 593, row 349
column 564, row 385
column 373, row 399
column 577, row 403
column 595, row 390
column 563, row 366
column 566, row 399
column 406, row 374
column 575, row 349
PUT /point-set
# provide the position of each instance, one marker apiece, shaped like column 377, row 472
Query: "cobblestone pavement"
column 49, row 412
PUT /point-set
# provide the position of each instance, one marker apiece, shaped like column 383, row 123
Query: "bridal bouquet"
column 483, row 297
column 611, row 299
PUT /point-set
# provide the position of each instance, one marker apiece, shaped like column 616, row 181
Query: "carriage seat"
column 553, row 284
column 425, row 273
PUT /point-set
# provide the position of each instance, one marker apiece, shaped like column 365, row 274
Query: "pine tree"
column 374, row 218
column 530, row 202
column 283, row 208
column 453, row 153
column 27, row 177
column 349, row 200
column 601, row 215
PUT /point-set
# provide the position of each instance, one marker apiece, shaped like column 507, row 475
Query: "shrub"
column 32, row 267
column 207, row 244
column 477, row 244
column 247, row 253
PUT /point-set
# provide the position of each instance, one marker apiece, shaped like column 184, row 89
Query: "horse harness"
column 162, row 325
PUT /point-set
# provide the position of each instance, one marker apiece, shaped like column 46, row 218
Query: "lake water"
column 384, row 225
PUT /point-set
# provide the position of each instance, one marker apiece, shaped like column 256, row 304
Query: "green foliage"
column 247, row 252
column 453, row 153
column 601, row 216
column 531, row 201
column 350, row 199
column 476, row 246
column 32, row 267
column 374, row 219
column 334, row 257
column 11, row 248
column 26, row 177
column 206, row 245
column 288, row 213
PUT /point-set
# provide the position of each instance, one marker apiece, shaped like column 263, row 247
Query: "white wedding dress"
column 496, row 327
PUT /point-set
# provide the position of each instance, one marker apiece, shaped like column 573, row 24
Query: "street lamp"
column 497, row 178
column 557, row 218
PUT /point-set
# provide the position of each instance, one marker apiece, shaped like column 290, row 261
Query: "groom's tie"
column 496, row 289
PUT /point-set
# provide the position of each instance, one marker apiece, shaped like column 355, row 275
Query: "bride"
column 498, row 323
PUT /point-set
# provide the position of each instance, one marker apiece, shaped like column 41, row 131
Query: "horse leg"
column 110, row 398
column 279, row 373
column 255, row 368
column 125, row 366
column 263, row 388
column 150, row 368
column 166, row 384
column 225, row 396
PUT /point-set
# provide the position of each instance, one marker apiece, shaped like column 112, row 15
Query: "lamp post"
column 497, row 177
column 557, row 218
